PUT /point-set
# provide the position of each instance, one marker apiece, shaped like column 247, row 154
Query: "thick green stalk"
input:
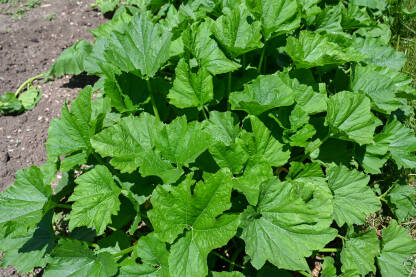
column 28, row 82
column 152, row 98
column 328, row 250
column 124, row 251
column 63, row 206
column 227, row 260
column 261, row 59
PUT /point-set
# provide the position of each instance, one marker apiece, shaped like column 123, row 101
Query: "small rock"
column 4, row 157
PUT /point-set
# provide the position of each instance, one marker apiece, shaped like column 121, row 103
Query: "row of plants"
column 225, row 138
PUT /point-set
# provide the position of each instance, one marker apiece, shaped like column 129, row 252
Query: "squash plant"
column 225, row 138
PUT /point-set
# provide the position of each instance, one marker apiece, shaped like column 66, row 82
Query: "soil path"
column 28, row 47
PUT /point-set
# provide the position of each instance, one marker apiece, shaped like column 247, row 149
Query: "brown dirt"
column 28, row 47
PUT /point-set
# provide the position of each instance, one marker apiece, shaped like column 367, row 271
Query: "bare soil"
column 28, row 46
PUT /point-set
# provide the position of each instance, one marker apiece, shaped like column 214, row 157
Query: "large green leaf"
column 25, row 200
column 237, row 31
column 25, row 244
column 223, row 130
column 72, row 131
column 372, row 4
column 397, row 246
column 349, row 117
column 131, row 144
column 154, row 257
column 191, row 89
column 181, row 142
column 71, row 61
column 353, row 199
column 277, row 16
column 395, row 139
column 95, row 200
column 359, row 252
column 74, row 258
column 142, row 48
column 290, row 221
column 403, row 200
column 176, row 209
column 313, row 49
column 259, row 143
column 264, row 93
column 255, row 173
column 197, row 41
column 379, row 54
column 222, row 127
column 381, row 84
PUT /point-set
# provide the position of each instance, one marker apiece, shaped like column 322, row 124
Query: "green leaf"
column 381, row 84
column 30, row 98
column 353, row 199
column 349, row 117
column 259, row 142
column 378, row 53
column 256, row 172
column 191, row 89
column 372, row 4
column 403, row 198
column 237, row 31
column 277, row 16
column 95, row 200
column 197, row 41
column 117, row 23
column 355, row 17
column 25, row 200
column 313, row 49
column 72, row 131
column 71, row 61
column 264, row 93
column 198, row 216
column 359, row 252
column 290, row 221
column 107, row 5
column 181, row 142
column 329, row 20
column 73, row 258
column 127, row 141
column 227, row 274
column 25, row 244
column 328, row 268
column 153, row 255
column 142, row 48
column 397, row 246
column 396, row 139
column 71, row 161
column 130, row 143
column 222, row 127
column 10, row 104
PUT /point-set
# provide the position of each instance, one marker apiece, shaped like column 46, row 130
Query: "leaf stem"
column 227, row 260
column 261, row 59
column 204, row 113
column 27, row 82
column 316, row 147
column 234, row 257
column 341, row 237
column 152, row 98
column 124, row 251
column 229, row 83
column 63, row 206
column 328, row 250
column 304, row 273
